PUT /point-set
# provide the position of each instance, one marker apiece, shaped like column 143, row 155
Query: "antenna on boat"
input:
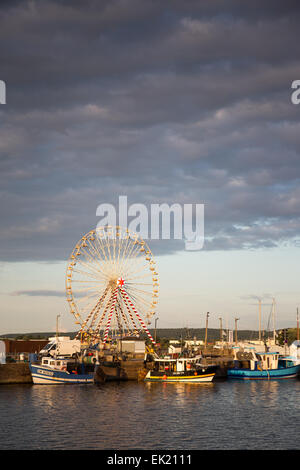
column 297, row 324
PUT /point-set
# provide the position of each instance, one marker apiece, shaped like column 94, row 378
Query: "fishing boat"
column 264, row 366
column 61, row 371
column 180, row 370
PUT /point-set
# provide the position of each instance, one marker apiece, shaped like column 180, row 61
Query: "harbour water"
column 129, row 415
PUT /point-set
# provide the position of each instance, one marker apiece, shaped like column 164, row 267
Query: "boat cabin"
column 264, row 361
column 176, row 365
column 269, row 361
column 59, row 364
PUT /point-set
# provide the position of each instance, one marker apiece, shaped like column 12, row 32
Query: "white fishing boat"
column 60, row 371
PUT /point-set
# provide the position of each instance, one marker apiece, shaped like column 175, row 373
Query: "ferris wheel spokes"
column 111, row 275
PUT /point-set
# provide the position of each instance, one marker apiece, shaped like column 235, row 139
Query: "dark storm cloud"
column 183, row 102
column 40, row 293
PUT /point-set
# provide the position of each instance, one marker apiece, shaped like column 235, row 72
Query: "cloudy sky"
column 164, row 102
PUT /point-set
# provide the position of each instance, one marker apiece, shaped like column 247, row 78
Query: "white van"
column 61, row 346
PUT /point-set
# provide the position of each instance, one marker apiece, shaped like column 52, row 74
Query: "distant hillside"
column 43, row 335
column 213, row 334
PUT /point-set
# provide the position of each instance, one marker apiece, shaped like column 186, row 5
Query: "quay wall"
column 224, row 363
column 15, row 373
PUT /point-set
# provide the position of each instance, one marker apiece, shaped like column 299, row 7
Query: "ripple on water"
column 220, row 415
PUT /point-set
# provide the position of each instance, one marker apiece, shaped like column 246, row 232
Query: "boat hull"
column 272, row 374
column 186, row 377
column 45, row 376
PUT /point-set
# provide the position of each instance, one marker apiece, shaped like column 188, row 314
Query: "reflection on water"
column 218, row 415
column 179, row 392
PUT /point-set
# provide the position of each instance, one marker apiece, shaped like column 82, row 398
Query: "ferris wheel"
column 111, row 278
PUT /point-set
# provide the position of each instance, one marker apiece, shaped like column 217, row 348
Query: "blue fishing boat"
column 51, row 371
column 264, row 366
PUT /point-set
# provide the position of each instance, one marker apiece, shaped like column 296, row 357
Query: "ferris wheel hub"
column 112, row 283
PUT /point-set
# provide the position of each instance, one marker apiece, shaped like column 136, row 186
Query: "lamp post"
column 205, row 343
column 155, row 328
column 57, row 317
column 221, row 330
column 259, row 321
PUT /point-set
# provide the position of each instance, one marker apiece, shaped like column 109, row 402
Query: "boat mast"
column 297, row 325
column 273, row 317
column 236, row 320
column 57, row 317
